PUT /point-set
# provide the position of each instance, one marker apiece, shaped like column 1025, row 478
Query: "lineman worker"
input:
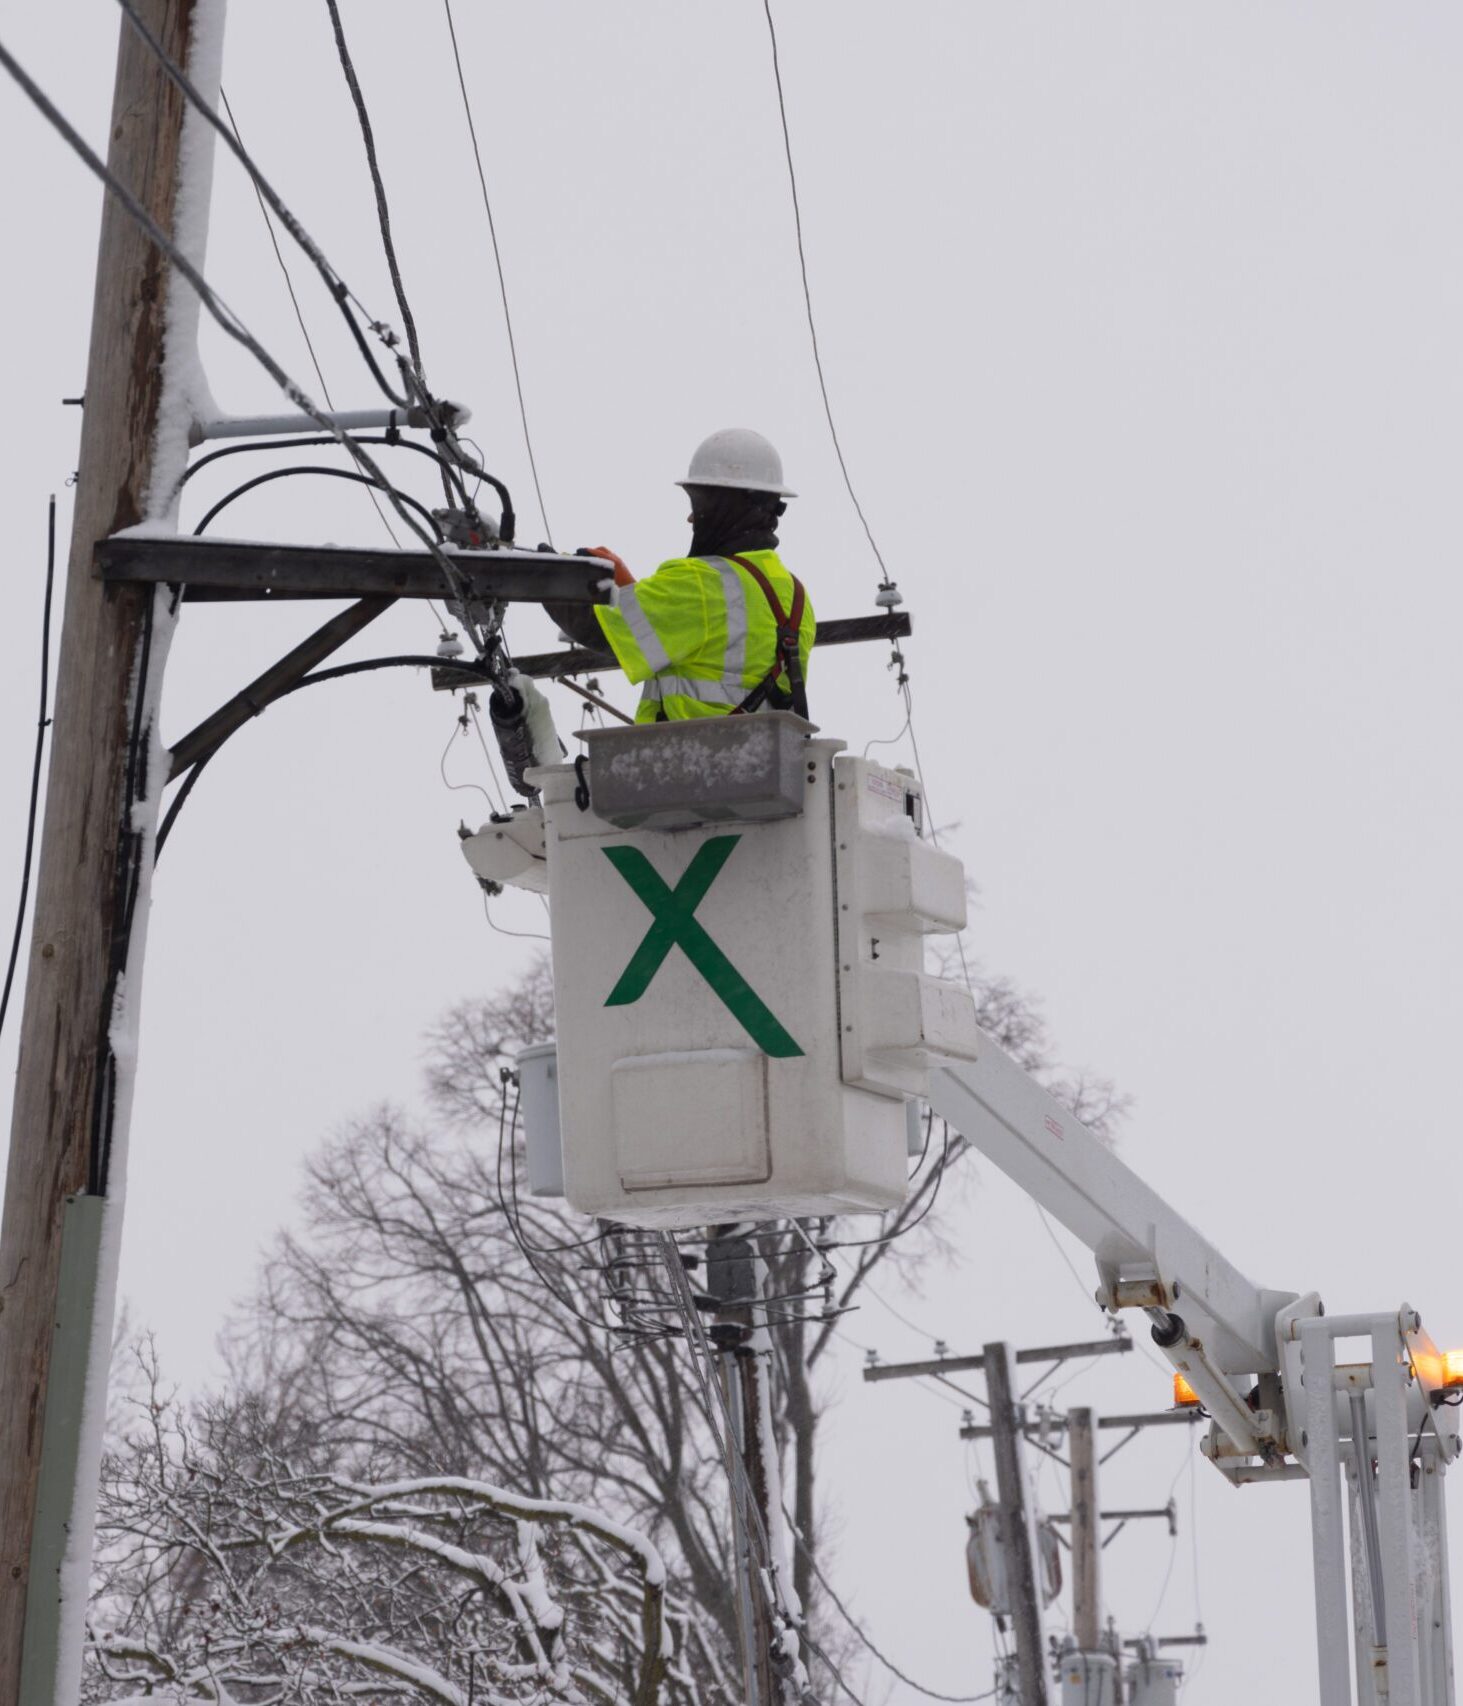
column 725, row 628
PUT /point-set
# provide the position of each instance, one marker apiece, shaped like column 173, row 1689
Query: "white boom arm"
column 740, row 914
column 1263, row 1364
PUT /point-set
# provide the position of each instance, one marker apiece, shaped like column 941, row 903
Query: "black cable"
column 543, row 1279
column 903, row 1231
column 35, row 772
column 289, row 282
column 289, row 285
column 175, row 805
column 413, row 373
column 383, row 214
column 542, row 1249
column 330, row 474
column 502, row 281
column 334, row 673
column 440, row 420
column 338, row 288
column 797, row 215
column 849, row 1619
column 244, row 446
column 924, row 1153
column 225, row 316
column 392, row 441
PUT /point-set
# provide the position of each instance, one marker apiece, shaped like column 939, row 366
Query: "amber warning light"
column 1185, row 1397
column 1453, row 1370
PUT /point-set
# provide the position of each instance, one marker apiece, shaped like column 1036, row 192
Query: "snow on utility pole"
column 732, row 1278
column 59, row 1235
column 1018, row 1523
column 769, row 1621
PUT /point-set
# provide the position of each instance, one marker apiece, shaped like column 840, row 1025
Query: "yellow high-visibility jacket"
column 700, row 634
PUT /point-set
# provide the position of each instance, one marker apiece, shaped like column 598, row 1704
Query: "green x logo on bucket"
column 675, row 926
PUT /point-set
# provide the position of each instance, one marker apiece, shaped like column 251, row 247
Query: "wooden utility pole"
column 1086, row 1530
column 733, row 1278
column 1018, row 1523
column 56, row 1185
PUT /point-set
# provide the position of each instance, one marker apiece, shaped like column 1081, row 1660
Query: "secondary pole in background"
column 87, row 926
column 1018, row 1523
column 1086, row 1538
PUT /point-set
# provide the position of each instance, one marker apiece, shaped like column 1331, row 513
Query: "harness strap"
column 787, row 658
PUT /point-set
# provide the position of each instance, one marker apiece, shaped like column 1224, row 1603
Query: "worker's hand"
column 623, row 577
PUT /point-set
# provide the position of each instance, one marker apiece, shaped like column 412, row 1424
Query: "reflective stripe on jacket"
column 700, row 634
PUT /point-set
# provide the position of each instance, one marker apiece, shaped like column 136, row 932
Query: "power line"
column 502, row 281
column 383, row 215
column 938, row 1176
column 220, row 311
column 518, row 1238
column 464, row 787
column 340, row 291
column 334, row 673
column 289, row 285
column 310, row 468
column 35, row 774
column 289, row 282
column 854, row 1625
column 797, row 214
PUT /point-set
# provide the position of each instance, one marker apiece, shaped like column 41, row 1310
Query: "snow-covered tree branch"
column 239, row 1565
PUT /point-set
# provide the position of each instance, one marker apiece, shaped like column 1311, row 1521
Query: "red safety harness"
column 787, row 657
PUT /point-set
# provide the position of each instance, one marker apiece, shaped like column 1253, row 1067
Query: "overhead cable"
column 509, row 1124
column 383, row 214
column 414, row 380
column 289, row 285
column 221, row 312
column 502, row 281
column 797, row 215
column 327, row 473
column 938, row 1177
column 388, row 244
column 393, row 441
column 35, row 773
column 339, row 290
column 319, row 676
column 858, row 1630
column 289, row 282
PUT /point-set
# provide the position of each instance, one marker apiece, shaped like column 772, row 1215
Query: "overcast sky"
column 1141, row 326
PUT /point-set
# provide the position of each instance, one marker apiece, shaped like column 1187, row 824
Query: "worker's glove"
column 623, row 577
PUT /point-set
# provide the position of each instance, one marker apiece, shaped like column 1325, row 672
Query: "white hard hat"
column 740, row 458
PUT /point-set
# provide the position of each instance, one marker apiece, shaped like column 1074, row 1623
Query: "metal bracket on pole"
column 348, row 420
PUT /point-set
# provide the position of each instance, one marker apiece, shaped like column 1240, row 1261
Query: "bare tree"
column 430, row 1320
column 240, row 1563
